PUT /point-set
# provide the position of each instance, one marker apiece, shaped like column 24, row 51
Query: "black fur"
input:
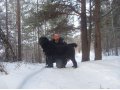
column 58, row 53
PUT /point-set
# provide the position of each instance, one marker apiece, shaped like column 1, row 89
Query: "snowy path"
column 27, row 79
column 93, row 75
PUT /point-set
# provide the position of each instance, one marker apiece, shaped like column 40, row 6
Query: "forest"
column 93, row 24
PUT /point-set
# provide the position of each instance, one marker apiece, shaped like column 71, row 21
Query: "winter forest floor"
column 101, row 74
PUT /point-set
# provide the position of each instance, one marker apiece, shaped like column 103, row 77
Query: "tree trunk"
column 18, row 22
column 7, row 48
column 97, row 45
column 90, row 28
column 84, row 39
column 6, row 43
column 39, row 53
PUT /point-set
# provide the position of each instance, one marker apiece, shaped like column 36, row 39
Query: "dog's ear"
column 43, row 40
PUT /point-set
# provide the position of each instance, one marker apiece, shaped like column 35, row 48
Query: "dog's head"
column 45, row 44
column 43, row 40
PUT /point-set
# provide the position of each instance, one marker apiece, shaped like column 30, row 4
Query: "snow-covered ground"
column 93, row 75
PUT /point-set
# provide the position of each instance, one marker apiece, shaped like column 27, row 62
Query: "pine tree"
column 18, row 23
column 97, row 45
column 84, row 37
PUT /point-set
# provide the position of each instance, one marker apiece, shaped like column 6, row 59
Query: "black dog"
column 58, row 53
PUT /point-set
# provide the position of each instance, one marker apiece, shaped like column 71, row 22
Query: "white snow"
column 101, row 74
column 1, row 51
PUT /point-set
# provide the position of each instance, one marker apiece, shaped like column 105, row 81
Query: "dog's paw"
column 74, row 66
column 48, row 66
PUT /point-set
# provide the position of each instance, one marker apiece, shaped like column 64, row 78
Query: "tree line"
column 24, row 21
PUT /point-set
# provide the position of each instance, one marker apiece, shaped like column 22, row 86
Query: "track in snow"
column 29, row 77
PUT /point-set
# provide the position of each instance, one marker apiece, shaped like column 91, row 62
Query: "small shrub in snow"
column 2, row 70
